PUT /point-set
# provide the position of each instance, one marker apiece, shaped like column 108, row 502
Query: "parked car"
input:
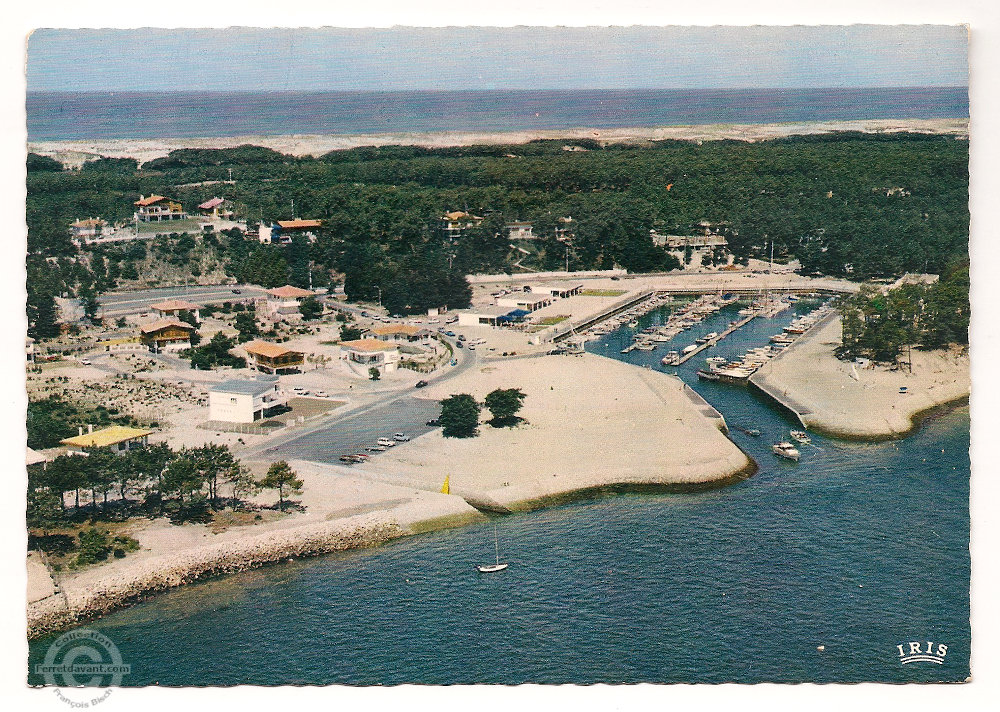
column 461, row 337
column 454, row 362
column 375, row 448
column 360, row 456
column 450, row 333
column 348, row 459
column 472, row 347
column 320, row 394
column 386, row 442
column 433, row 422
column 401, row 438
column 420, row 384
column 459, row 344
column 300, row 391
column 85, row 362
column 237, row 291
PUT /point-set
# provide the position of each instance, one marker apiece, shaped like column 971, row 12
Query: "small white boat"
column 786, row 450
column 716, row 359
column 800, row 436
column 493, row 568
column 689, row 349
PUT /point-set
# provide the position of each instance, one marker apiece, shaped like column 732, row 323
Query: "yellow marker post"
column 445, row 489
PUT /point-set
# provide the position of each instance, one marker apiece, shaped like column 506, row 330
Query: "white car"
column 401, row 438
column 320, row 394
column 386, row 442
column 85, row 362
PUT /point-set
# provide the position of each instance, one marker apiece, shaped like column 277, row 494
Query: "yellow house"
column 117, row 438
column 273, row 358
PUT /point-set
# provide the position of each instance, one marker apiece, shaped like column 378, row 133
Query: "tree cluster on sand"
column 881, row 325
column 460, row 413
column 185, row 485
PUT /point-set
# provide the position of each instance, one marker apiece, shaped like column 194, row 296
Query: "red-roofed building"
column 371, row 353
column 157, row 208
column 286, row 300
column 215, row 208
column 173, row 307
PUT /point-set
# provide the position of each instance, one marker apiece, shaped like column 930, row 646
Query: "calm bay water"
column 859, row 547
column 55, row 116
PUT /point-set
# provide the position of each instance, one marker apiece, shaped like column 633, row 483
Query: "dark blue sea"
column 858, row 548
column 156, row 115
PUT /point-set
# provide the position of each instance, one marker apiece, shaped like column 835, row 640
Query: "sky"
column 497, row 58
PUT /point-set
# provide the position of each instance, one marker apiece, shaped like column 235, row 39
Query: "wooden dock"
column 712, row 342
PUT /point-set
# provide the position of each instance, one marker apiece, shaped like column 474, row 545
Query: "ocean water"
column 134, row 115
column 859, row 547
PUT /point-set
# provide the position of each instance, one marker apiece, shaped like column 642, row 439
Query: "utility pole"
column 379, row 293
column 567, row 258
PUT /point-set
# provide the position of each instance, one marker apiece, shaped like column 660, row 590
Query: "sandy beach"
column 591, row 423
column 850, row 401
column 75, row 153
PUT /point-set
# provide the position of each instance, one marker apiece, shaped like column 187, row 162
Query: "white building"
column 285, row 300
column 520, row 231
column 371, row 353
column 239, row 401
column 528, row 301
column 560, row 290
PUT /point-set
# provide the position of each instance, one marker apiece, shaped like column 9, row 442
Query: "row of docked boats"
column 738, row 372
column 630, row 316
column 691, row 314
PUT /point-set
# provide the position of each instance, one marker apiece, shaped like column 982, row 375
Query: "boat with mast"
column 493, row 568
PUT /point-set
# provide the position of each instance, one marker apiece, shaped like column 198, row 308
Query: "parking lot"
column 353, row 433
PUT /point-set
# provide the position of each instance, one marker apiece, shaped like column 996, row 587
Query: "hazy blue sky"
column 497, row 58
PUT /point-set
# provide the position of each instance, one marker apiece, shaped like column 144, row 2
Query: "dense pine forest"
column 848, row 204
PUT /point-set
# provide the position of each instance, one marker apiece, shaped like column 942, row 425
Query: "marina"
column 313, row 619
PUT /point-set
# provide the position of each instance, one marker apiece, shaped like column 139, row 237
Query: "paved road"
column 352, row 432
column 121, row 303
column 361, row 428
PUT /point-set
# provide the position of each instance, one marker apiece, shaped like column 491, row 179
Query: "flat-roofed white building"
column 563, row 290
column 243, row 401
column 528, row 301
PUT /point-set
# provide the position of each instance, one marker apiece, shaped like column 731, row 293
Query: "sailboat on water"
column 493, row 568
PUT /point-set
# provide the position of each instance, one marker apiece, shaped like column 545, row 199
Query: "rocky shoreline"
column 116, row 590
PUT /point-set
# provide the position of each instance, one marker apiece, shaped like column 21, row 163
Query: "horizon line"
column 491, row 89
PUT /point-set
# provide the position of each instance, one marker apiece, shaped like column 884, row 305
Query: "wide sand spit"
column 848, row 400
column 591, row 424
column 74, row 153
